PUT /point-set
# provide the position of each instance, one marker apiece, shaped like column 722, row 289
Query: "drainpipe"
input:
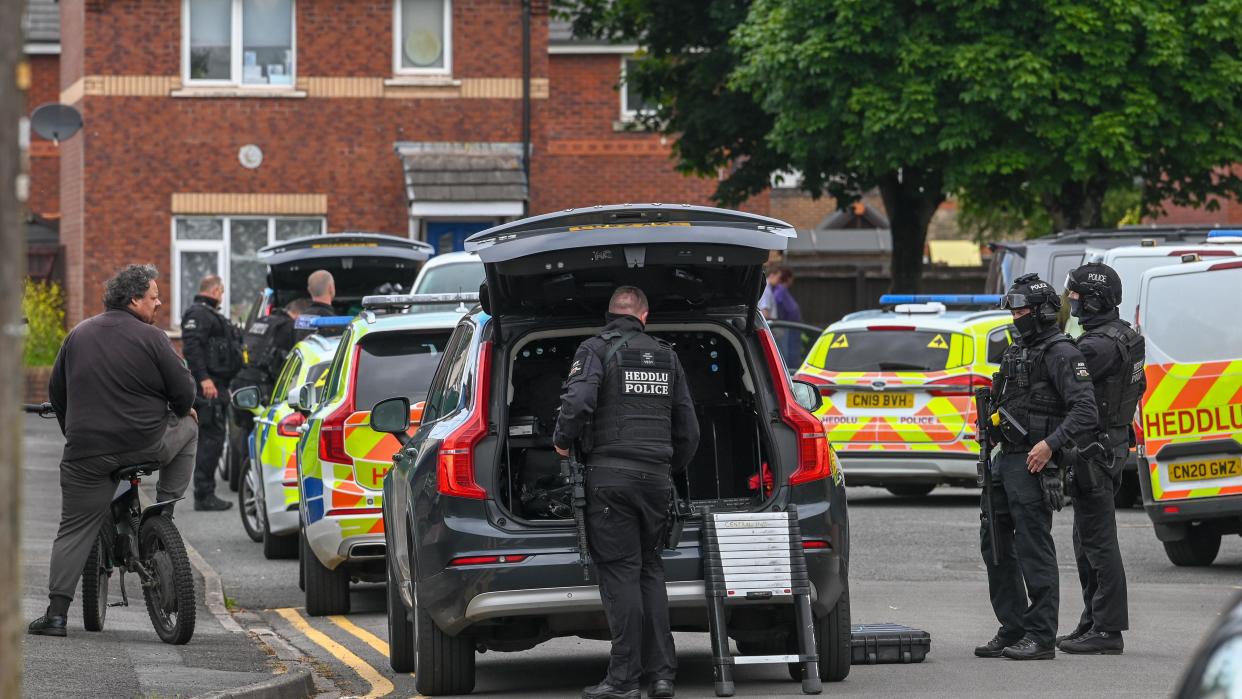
column 526, row 103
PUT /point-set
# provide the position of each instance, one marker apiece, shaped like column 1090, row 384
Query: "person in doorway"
column 626, row 396
column 122, row 397
column 214, row 354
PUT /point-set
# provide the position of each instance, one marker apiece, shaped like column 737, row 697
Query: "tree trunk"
column 911, row 198
column 1077, row 205
column 12, row 242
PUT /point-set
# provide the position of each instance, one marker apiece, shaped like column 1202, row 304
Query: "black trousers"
column 212, row 421
column 626, row 529
column 1100, row 570
column 1024, row 588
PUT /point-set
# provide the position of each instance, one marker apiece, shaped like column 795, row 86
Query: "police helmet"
column 1098, row 285
column 1029, row 291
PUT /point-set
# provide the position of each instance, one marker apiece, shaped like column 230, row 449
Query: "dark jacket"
column 1065, row 372
column 581, row 399
column 318, row 309
column 1104, row 361
column 201, row 322
column 114, row 381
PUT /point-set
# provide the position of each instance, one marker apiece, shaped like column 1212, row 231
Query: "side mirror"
column 307, row 398
column 246, row 398
column 807, row 395
column 392, row 416
column 292, row 398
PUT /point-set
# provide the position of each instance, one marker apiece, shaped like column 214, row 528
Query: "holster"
column 678, row 511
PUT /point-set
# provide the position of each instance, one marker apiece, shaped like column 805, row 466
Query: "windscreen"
column 892, row 350
column 1194, row 317
column 397, row 364
column 461, row 277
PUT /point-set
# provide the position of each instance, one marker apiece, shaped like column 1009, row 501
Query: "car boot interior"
column 729, row 470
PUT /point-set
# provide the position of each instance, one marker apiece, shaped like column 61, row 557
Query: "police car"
column 899, row 385
column 386, row 351
column 1190, row 452
column 268, row 496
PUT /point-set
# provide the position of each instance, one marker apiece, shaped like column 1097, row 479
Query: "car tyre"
column 911, row 490
column 234, row 455
column 445, row 664
column 250, row 504
column 833, row 635
column 279, row 548
column 401, row 655
column 327, row 591
column 1199, row 548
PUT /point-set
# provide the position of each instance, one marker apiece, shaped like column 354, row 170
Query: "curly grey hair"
column 128, row 284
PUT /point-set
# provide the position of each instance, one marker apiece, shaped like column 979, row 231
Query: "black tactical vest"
column 634, row 410
column 1118, row 394
column 1024, row 390
column 262, row 355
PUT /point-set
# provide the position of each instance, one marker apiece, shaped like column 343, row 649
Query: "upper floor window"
column 238, row 42
column 632, row 102
column 423, row 37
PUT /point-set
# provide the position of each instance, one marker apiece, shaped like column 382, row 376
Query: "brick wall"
column 44, row 155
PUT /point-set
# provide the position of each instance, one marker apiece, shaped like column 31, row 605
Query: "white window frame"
column 398, row 69
column 236, row 51
column 223, row 251
column 627, row 114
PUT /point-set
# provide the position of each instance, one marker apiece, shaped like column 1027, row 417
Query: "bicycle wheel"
column 170, row 596
column 95, row 576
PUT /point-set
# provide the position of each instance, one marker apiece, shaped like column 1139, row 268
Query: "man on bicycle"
column 122, row 396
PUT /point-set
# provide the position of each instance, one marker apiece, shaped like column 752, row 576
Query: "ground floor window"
column 228, row 246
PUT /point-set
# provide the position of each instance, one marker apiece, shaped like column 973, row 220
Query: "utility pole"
column 14, row 81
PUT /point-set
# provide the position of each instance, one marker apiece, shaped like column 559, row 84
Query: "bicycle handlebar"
column 44, row 410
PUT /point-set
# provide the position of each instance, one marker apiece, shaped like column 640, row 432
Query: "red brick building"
column 215, row 127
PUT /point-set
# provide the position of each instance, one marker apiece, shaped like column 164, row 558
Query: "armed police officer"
column 1114, row 352
column 322, row 289
column 1042, row 404
column 626, row 395
column 266, row 344
column 213, row 352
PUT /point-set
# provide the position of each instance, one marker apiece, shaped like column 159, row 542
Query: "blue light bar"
column 1225, row 234
column 946, row 299
column 317, row 322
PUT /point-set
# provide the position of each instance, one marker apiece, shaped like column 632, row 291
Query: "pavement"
column 915, row 561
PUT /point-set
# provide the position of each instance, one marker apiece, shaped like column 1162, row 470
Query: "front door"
column 450, row 236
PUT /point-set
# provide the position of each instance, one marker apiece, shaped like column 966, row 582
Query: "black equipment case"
column 873, row 644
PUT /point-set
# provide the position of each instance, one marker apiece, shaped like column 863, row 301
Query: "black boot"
column 1096, row 643
column 993, row 648
column 1027, row 649
column 211, row 503
column 604, row 690
column 661, row 689
column 47, row 625
column 1077, row 633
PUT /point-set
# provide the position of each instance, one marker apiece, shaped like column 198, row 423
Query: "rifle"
column 575, row 476
column 983, row 435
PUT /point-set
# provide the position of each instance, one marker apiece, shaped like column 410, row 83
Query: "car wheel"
column 249, row 505
column 401, row 656
column 1128, row 493
column 277, row 548
column 234, row 456
column 445, row 664
column 911, row 490
column 833, row 636
column 327, row 591
column 1199, row 548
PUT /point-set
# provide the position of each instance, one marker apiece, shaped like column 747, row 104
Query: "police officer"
column 1114, row 353
column 267, row 342
column 626, row 395
column 213, row 352
column 322, row 289
column 1042, row 403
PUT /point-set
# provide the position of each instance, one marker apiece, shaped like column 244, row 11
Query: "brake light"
column 332, row 431
column 962, row 385
column 891, row 327
column 487, row 560
column 1172, row 510
column 815, row 461
column 288, row 427
column 815, row 544
column 1225, row 265
column 455, row 465
column 344, row 511
column 826, row 387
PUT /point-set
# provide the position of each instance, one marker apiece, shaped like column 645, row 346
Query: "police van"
column 898, row 385
column 1190, row 452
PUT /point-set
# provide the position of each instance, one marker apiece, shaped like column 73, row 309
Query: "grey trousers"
column 87, row 489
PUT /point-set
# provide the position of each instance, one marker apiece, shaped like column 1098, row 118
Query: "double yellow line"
column 380, row 686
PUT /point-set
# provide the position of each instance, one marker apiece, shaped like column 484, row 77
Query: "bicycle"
column 138, row 540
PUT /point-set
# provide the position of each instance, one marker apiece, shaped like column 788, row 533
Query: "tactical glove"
column 1050, row 484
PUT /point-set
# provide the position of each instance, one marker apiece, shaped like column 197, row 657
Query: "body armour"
column 633, row 418
column 1118, row 393
column 1024, row 389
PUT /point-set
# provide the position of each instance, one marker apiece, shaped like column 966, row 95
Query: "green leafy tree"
column 43, row 305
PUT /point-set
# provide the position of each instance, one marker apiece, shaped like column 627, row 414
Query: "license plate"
column 1206, row 469
column 880, row 400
